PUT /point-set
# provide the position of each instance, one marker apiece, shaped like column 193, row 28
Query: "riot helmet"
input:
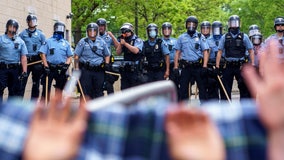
column 12, row 26
column 167, row 29
column 217, row 28
column 152, row 30
column 253, row 30
column 59, row 27
column 31, row 20
column 205, row 28
column 102, row 23
column 256, row 39
column 279, row 21
column 92, row 30
column 127, row 27
column 191, row 24
column 234, row 22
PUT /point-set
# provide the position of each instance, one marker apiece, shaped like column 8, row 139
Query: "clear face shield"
column 102, row 29
column 167, row 31
column 217, row 31
column 59, row 28
column 256, row 39
column 92, row 33
column 32, row 23
column 191, row 26
column 205, row 30
column 12, row 29
column 234, row 23
column 253, row 32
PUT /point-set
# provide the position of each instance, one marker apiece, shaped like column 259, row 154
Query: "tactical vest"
column 129, row 56
column 235, row 47
column 154, row 53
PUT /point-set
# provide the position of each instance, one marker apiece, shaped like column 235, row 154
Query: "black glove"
column 217, row 72
column 204, row 71
column 46, row 70
column 23, row 76
column 65, row 68
column 107, row 67
column 176, row 72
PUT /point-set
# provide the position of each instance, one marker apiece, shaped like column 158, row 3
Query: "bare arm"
column 167, row 73
column 43, row 57
column 251, row 54
column 205, row 57
column 218, row 58
column 115, row 42
column 76, row 62
column 177, row 55
column 24, row 63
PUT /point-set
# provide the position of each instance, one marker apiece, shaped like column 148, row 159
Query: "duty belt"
column 9, row 66
column 33, row 58
column 185, row 63
column 55, row 66
column 91, row 67
column 235, row 63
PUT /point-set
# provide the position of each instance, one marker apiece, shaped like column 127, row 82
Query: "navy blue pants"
column 153, row 76
column 130, row 79
column 92, row 82
column 9, row 78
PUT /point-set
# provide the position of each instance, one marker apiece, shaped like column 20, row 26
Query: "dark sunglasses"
column 125, row 31
column 279, row 24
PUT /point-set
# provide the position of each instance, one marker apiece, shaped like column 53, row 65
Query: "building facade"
column 47, row 12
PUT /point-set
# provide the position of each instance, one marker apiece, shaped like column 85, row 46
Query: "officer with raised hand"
column 110, row 40
column 56, row 56
column 33, row 39
column 167, row 29
column 13, row 60
column 235, row 44
column 192, row 50
column 157, row 55
column 255, row 37
column 131, row 46
column 92, row 57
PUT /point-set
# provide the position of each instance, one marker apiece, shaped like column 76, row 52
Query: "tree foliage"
column 142, row 12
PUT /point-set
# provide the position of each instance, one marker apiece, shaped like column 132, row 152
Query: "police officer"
column 110, row 40
column 279, row 35
column 192, row 49
column 157, row 55
column 13, row 60
column 235, row 44
column 92, row 57
column 33, row 39
column 212, row 81
column 56, row 55
column 131, row 46
column 170, row 41
column 255, row 37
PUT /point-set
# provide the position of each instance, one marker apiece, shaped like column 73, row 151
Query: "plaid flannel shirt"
column 137, row 131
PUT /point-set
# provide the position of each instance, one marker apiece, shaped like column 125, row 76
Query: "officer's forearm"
column 167, row 62
column 76, row 62
column 251, row 54
column 68, row 60
column 176, row 58
column 115, row 42
column 118, row 49
column 205, row 58
column 218, row 58
column 132, row 49
column 43, row 57
column 107, row 58
column 24, row 63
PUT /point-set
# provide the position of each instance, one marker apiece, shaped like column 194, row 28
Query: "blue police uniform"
column 131, row 73
column 11, row 51
column 155, row 52
column 171, row 42
column 235, row 47
column 91, row 62
column 110, row 79
column 191, row 48
column 33, row 40
column 56, row 52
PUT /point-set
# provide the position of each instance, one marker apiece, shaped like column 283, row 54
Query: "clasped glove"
column 176, row 72
column 204, row 71
column 23, row 76
column 217, row 72
column 46, row 70
column 107, row 67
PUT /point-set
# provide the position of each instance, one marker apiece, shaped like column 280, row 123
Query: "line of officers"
column 194, row 56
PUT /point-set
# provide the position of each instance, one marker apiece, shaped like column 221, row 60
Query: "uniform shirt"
column 34, row 42
column 171, row 42
column 85, row 53
column 186, row 44
column 11, row 51
column 246, row 42
column 106, row 37
column 61, row 49
column 164, row 46
column 137, row 43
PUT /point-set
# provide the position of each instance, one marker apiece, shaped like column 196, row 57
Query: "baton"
column 112, row 73
column 34, row 62
column 222, row 85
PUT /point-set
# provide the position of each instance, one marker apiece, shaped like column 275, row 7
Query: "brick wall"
column 47, row 12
